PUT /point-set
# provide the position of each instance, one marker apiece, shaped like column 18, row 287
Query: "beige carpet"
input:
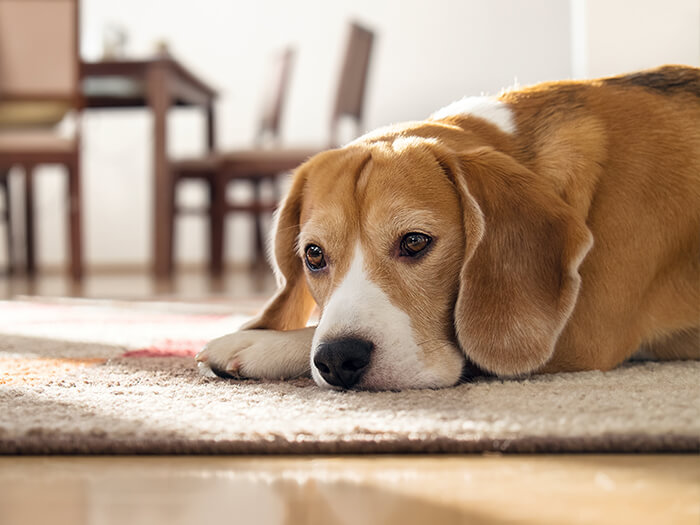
column 119, row 378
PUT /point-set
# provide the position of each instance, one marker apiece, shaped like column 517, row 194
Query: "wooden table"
column 158, row 84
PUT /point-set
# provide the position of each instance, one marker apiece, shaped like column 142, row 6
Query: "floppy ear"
column 291, row 306
column 519, row 280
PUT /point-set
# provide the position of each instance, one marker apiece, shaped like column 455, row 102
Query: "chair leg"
column 29, row 226
column 172, row 222
column 276, row 190
column 259, row 253
column 74, row 221
column 217, row 215
column 5, row 183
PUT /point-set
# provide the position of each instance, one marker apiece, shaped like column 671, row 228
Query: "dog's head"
column 419, row 255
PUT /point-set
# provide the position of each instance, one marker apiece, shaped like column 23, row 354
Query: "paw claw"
column 234, row 366
column 205, row 370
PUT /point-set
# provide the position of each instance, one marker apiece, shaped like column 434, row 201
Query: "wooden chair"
column 263, row 164
column 39, row 84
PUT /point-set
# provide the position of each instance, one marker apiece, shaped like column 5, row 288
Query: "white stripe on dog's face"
column 360, row 308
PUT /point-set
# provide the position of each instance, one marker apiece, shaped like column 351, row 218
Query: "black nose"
column 342, row 363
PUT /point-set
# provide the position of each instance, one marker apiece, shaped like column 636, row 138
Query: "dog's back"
column 625, row 151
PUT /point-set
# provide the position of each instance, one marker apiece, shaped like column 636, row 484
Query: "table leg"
column 159, row 101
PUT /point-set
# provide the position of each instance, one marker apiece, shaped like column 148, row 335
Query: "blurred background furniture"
column 352, row 84
column 39, row 85
column 208, row 167
column 158, row 84
column 265, row 163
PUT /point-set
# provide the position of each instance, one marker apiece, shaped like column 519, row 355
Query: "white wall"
column 615, row 36
column 427, row 54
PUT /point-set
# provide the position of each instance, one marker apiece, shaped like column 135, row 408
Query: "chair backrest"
column 39, row 50
column 352, row 83
column 274, row 96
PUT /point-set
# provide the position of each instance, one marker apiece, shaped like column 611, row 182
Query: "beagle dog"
column 549, row 229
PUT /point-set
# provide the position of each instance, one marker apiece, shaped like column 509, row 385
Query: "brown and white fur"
column 564, row 227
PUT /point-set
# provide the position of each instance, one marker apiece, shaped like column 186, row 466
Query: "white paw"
column 257, row 354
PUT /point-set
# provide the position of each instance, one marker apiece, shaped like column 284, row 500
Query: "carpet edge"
column 613, row 443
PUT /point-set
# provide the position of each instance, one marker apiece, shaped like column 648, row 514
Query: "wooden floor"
column 185, row 286
column 357, row 490
column 351, row 490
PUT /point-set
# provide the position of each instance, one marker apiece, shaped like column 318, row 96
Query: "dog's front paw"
column 258, row 354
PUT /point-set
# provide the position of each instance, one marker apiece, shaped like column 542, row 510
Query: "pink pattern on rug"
column 169, row 348
column 124, row 329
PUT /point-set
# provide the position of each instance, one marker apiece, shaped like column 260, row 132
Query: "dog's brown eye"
column 413, row 244
column 315, row 260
